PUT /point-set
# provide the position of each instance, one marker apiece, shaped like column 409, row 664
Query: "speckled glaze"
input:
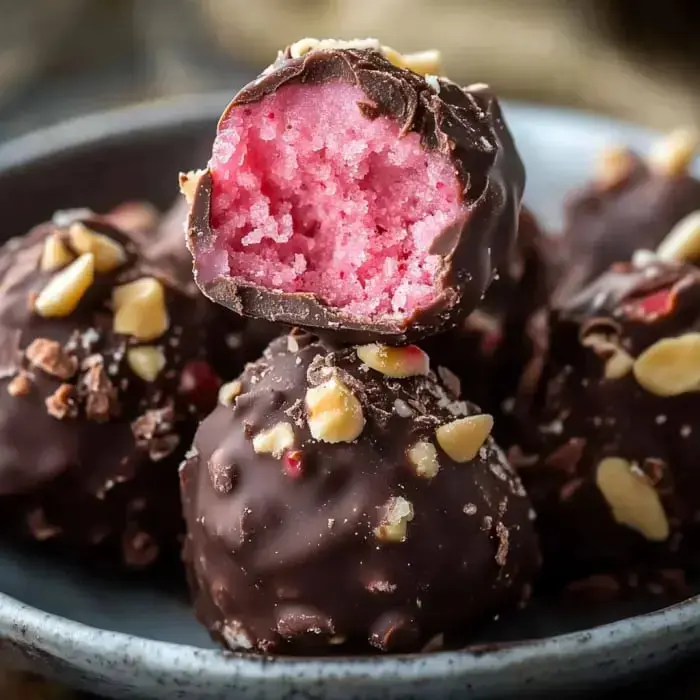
column 120, row 638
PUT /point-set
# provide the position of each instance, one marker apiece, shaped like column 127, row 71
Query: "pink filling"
column 311, row 196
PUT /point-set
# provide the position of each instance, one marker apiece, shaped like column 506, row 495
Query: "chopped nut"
column 63, row 293
column 423, row 456
column 333, row 412
column 632, row 499
column 99, row 392
column 424, row 62
column 61, row 404
column 398, row 363
column 229, row 391
column 109, row 255
column 146, row 361
column 398, row 512
column 673, row 154
column 189, row 182
column 670, row 366
column 20, row 385
column 682, row 243
column 50, row 357
column 613, row 166
column 618, row 365
column 55, row 254
column 503, row 544
column 140, row 309
column 275, row 440
column 462, row 438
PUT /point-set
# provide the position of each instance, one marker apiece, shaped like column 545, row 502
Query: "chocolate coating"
column 295, row 553
column 464, row 125
column 89, row 449
column 494, row 351
column 605, row 222
column 594, row 403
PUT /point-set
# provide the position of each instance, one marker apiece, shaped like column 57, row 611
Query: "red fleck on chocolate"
column 652, row 306
column 200, row 384
column 491, row 341
column 292, row 464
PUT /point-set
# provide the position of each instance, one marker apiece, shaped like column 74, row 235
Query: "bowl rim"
column 55, row 634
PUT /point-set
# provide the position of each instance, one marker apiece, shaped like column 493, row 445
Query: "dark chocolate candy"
column 326, row 511
column 99, row 399
column 610, row 461
column 632, row 205
column 493, row 352
column 463, row 125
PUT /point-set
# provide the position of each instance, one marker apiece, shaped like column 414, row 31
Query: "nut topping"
column 397, row 513
column 109, row 255
column 48, row 356
column 613, row 166
column 463, row 438
column 275, row 440
column 229, row 391
column 670, row 366
column 139, row 309
column 423, row 457
column 146, row 362
column 188, row 184
column 682, row 243
column 632, row 498
column 63, row 293
column 398, row 363
column 333, row 412
column 55, row 254
column 673, row 154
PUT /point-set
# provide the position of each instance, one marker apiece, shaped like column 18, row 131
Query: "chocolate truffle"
column 106, row 366
column 348, row 194
column 631, row 205
column 491, row 353
column 346, row 500
column 611, row 462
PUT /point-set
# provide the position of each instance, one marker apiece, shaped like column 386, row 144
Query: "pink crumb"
column 309, row 195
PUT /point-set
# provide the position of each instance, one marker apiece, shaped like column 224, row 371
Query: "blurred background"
column 628, row 58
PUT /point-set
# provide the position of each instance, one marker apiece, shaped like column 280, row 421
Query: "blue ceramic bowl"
column 137, row 638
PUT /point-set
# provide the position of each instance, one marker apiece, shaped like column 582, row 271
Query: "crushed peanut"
column 61, row 296
column 61, row 404
column 633, row 500
column 463, row 438
column 48, row 356
column 146, row 361
column 613, row 166
column 397, row 513
column 398, row 363
column 55, row 254
column 670, row 366
column 275, row 440
column 333, row 412
column 139, row 309
column 20, row 385
column 682, row 243
column 673, row 154
column 229, row 391
column 423, row 456
column 188, row 184
column 109, row 255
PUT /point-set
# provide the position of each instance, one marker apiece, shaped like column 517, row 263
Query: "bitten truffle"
column 343, row 499
column 613, row 473
column 349, row 194
column 105, row 366
column 631, row 205
column 495, row 350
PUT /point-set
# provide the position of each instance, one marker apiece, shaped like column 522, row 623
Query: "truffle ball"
column 349, row 193
column 611, row 462
column 345, row 499
column 106, row 367
column 632, row 204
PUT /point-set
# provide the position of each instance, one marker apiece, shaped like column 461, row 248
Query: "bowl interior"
column 136, row 154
